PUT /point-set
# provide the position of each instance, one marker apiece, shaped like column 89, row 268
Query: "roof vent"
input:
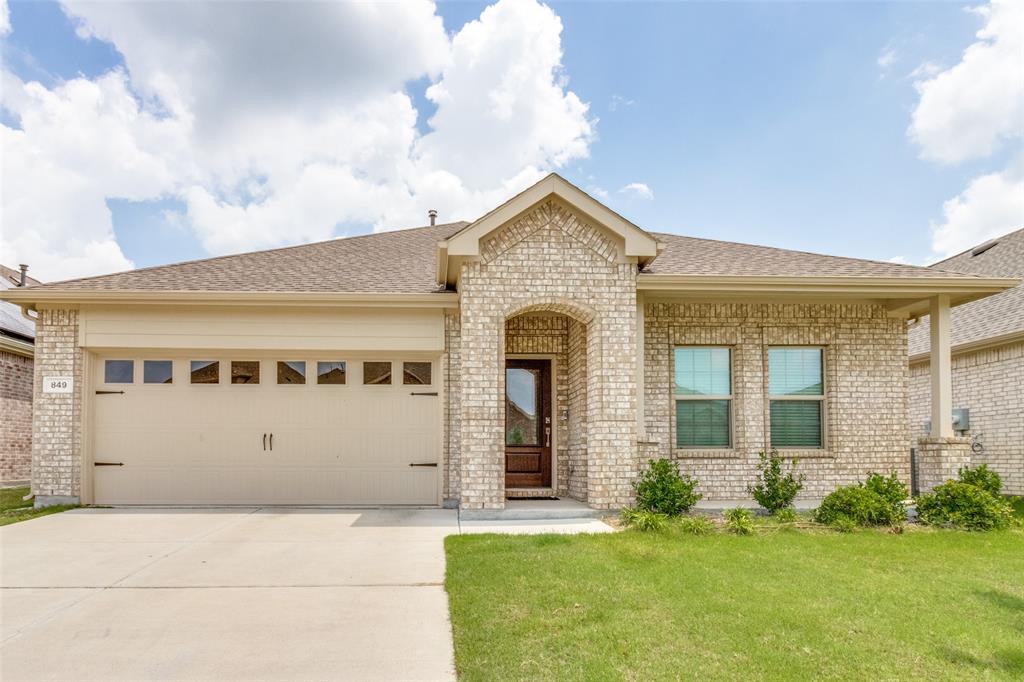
column 433, row 216
column 24, row 277
column 982, row 248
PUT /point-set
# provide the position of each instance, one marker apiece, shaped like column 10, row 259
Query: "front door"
column 527, row 423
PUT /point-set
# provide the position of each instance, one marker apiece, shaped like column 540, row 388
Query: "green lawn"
column 785, row 605
column 14, row 509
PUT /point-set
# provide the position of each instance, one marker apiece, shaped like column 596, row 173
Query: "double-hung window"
column 703, row 397
column 796, row 396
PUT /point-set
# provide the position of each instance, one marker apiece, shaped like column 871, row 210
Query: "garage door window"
column 157, row 372
column 416, row 373
column 245, row 372
column 205, row 372
column 291, row 372
column 377, row 373
column 119, row 371
column 330, row 372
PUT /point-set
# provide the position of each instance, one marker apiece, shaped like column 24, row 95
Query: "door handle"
column 271, row 442
column 423, row 464
column 547, row 436
column 264, row 442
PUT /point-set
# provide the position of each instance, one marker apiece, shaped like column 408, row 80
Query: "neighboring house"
column 987, row 361
column 632, row 345
column 17, row 347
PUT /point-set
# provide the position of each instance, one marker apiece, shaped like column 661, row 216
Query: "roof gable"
column 466, row 243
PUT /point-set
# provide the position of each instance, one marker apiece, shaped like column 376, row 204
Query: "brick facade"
column 16, row 424
column 865, row 390
column 987, row 382
column 57, row 425
column 549, row 260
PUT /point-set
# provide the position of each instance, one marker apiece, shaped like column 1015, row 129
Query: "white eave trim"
column 17, row 346
column 971, row 346
column 873, row 287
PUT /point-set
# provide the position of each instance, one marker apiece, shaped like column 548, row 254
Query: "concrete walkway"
column 233, row 594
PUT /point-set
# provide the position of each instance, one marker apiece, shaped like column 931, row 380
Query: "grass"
column 784, row 604
column 14, row 509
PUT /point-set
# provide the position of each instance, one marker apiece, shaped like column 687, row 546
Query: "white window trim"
column 822, row 398
column 730, row 397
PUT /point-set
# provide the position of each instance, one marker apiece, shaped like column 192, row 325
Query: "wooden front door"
column 527, row 423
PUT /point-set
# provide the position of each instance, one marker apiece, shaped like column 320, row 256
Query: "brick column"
column 940, row 459
column 57, row 420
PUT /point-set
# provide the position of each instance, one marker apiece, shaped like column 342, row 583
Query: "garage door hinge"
column 109, row 392
column 415, row 393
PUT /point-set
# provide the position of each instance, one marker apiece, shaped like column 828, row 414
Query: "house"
column 987, row 340
column 178, row 384
column 17, row 339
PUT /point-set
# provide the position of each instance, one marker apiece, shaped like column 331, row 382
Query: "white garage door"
column 215, row 429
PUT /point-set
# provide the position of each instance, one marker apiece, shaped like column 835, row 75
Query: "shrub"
column 739, row 521
column 696, row 525
column 787, row 515
column 775, row 490
column 876, row 502
column 662, row 489
column 644, row 520
column 982, row 477
column 956, row 504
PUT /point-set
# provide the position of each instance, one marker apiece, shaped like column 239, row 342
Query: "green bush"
column 644, row 520
column 786, row 515
column 696, row 525
column 662, row 489
column 844, row 524
column 982, row 477
column 739, row 521
column 878, row 501
column 956, row 504
column 775, row 490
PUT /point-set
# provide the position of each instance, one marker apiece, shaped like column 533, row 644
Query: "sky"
column 137, row 134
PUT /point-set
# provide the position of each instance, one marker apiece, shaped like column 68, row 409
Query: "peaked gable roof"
column 989, row 319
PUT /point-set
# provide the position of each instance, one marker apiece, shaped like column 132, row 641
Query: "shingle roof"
column 11, row 319
column 694, row 256
column 402, row 261
column 989, row 317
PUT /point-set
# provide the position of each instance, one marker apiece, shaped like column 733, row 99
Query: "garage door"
column 209, row 429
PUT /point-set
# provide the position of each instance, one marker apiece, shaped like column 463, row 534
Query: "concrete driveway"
column 226, row 594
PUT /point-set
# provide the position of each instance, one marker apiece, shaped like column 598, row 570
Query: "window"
column 330, row 372
column 157, row 371
column 378, row 373
column 703, row 395
column 119, row 371
column 796, row 395
column 204, row 372
column 416, row 373
column 291, row 372
column 245, row 371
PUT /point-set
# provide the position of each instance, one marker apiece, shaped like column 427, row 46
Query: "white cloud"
column 925, row 70
column 620, row 101
column 899, row 260
column 638, row 190
column 991, row 205
column 283, row 124
column 5, row 18
column 966, row 111
column 886, row 57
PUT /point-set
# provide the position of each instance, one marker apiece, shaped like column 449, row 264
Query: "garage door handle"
column 109, row 392
column 415, row 393
column 108, row 464
column 264, row 442
column 271, row 442
column 423, row 464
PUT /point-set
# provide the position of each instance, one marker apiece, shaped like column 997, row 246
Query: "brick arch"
column 553, row 304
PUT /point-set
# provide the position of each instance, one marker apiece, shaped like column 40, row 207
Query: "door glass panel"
column 119, row 371
column 291, row 372
column 205, row 372
column 416, row 373
column 157, row 372
column 522, row 406
column 330, row 372
column 377, row 373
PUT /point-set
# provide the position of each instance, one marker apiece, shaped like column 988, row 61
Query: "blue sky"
column 772, row 123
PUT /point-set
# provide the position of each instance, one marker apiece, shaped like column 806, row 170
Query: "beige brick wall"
column 865, row 376
column 990, row 383
column 16, row 375
column 57, row 426
column 549, row 260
